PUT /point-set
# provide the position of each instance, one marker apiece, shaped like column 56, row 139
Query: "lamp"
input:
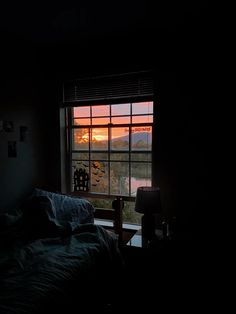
column 148, row 202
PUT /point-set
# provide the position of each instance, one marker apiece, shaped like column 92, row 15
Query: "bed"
column 54, row 258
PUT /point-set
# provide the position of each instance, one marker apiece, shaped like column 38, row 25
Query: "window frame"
column 69, row 130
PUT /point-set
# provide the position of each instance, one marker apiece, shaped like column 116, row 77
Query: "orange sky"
column 82, row 114
column 101, row 134
column 121, row 109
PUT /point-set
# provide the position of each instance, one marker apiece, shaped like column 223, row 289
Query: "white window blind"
column 112, row 88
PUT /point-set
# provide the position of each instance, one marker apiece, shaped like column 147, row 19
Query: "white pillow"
column 71, row 209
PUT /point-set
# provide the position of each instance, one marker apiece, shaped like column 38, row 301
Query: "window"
column 110, row 127
column 112, row 146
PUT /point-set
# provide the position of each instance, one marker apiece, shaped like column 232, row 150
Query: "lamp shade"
column 148, row 200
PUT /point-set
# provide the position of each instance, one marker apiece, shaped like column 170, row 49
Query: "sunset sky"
column 120, row 114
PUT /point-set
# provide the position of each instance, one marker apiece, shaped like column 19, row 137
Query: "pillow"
column 40, row 206
column 71, row 209
column 39, row 218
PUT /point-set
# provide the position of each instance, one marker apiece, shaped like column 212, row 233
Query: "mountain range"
column 139, row 136
column 146, row 137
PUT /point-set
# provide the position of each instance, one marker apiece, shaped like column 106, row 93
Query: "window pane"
column 99, row 139
column 142, row 107
column 141, row 139
column 101, row 203
column 98, row 111
column 119, row 173
column 119, row 156
column 80, row 164
column 82, row 121
column 141, row 157
column 97, row 121
column 142, row 119
column 80, row 139
column 81, row 112
column 140, row 176
column 119, row 138
column 120, row 110
column 80, row 156
column 99, row 156
column 130, row 215
column 99, row 177
column 120, row 120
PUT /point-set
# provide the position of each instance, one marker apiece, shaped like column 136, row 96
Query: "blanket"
column 37, row 271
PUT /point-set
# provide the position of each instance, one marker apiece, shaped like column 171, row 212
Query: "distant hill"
column 139, row 136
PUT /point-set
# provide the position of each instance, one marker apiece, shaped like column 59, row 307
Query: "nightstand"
column 138, row 241
column 147, row 264
column 144, row 256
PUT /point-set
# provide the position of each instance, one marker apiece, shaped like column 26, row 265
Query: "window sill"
column 108, row 223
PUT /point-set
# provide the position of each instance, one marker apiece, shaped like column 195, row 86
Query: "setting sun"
column 84, row 138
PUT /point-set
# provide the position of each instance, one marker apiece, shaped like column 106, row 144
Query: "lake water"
column 137, row 182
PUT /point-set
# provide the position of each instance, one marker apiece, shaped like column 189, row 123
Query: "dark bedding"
column 51, row 271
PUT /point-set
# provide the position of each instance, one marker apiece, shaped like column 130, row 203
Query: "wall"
column 182, row 141
column 18, row 173
column 20, row 103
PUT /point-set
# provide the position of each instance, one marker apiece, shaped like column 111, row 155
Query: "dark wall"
column 27, row 99
column 182, row 136
column 18, row 174
column 185, row 118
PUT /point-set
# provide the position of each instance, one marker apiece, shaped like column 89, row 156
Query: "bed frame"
column 113, row 214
